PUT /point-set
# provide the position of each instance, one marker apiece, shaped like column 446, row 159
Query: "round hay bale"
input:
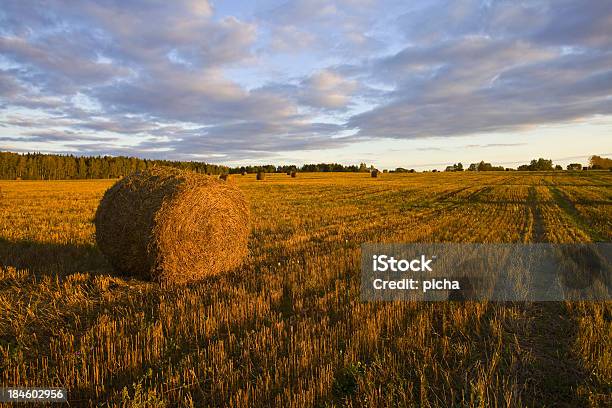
column 243, row 173
column 294, row 174
column 261, row 175
column 224, row 177
column 168, row 225
column 375, row 173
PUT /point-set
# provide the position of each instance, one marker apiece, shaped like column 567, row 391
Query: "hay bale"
column 169, row 225
column 374, row 173
column 294, row 174
column 243, row 173
column 224, row 177
column 261, row 175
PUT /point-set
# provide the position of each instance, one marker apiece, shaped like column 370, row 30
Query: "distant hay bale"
column 374, row 173
column 224, row 177
column 261, row 175
column 243, row 173
column 294, row 174
column 169, row 225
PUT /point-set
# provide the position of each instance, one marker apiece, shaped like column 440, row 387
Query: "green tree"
column 599, row 163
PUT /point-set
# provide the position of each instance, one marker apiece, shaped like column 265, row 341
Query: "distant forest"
column 37, row 166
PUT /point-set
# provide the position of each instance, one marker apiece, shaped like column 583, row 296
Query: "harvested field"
column 287, row 328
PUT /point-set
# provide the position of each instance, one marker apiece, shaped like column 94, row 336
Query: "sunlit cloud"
column 184, row 80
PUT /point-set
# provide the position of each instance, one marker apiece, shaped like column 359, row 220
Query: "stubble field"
column 288, row 329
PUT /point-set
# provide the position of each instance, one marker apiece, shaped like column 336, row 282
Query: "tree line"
column 541, row 164
column 37, row 166
column 595, row 163
column 600, row 163
column 535, row 165
column 320, row 167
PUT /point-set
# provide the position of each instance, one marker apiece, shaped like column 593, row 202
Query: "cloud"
column 289, row 39
column 263, row 137
column 327, row 90
column 182, row 80
column 59, row 62
column 8, row 85
column 297, row 12
column 495, row 145
column 474, row 78
column 57, row 136
column 156, row 61
column 586, row 23
column 559, row 22
column 202, row 97
column 322, row 26
column 324, row 91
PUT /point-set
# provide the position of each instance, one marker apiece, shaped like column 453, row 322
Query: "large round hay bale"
column 375, row 173
column 261, row 175
column 294, row 174
column 224, row 177
column 169, row 225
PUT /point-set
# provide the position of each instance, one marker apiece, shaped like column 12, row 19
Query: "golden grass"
column 288, row 328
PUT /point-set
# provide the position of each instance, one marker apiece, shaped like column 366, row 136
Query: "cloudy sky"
column 395, row 83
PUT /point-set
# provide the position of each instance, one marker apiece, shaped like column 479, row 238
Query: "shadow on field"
column 552, row 374
column 52, row 259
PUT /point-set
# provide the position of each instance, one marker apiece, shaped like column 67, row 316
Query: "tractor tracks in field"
column 538, row 231
column 550, row 372
column 548, row 369
column 573, row 214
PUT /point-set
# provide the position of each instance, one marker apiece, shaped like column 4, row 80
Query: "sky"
column 415, row 84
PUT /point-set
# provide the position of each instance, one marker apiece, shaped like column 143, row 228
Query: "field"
column 288, row 328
